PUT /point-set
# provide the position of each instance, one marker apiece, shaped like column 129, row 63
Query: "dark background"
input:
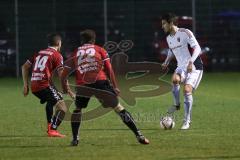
column 217, row 27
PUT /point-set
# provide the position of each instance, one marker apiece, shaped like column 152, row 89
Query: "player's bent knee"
column 118, row 108
column 176, row 82
column 187, row 89
column 176, row 79
column 61, row 106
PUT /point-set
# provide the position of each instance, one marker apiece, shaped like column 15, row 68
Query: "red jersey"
column 43, row 64
column 88, row 61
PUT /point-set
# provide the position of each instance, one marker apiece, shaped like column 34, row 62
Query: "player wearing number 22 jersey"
column 43, row 64
column 90, row 64
column 94, row 77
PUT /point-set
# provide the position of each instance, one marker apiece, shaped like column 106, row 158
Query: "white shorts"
column 193, row 78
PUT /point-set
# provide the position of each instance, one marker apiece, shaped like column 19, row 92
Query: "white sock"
column 176, row 94
column 188, row 101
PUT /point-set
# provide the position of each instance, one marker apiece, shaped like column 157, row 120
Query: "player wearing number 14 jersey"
column 43, row 64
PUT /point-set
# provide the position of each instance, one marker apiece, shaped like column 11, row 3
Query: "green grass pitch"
column 214, row 134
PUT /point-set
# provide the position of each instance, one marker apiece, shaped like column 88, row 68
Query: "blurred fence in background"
column 24, row 25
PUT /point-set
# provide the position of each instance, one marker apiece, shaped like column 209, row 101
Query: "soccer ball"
column 167, row 122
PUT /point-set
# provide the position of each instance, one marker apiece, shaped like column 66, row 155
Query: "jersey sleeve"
column 58, row 61
column 191, row 40
column 104, row 54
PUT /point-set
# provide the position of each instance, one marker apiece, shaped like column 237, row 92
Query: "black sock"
column 49, row 112
column 129, row 121
column 57, row 119
column 75, row 123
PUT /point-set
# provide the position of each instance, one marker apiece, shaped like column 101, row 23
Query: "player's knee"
column 118, row 108
column 76, row 115
column 77, row 110
column 61, row 106
column 187, row 89
column 176, row 79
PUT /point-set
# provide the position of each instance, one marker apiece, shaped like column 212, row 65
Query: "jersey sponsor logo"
column 88, row 67
column 37, row 76
column 176, row 47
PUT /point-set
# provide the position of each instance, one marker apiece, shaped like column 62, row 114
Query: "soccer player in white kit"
column 185, row 48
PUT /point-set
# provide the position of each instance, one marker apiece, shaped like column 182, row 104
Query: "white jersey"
column 178, row 45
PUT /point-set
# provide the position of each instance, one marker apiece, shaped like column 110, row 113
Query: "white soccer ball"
column 167, row 122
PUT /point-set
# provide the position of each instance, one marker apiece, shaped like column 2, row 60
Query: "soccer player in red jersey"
column 94, row 76
column 42, row 65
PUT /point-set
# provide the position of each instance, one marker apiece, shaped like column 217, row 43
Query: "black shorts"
column 49, row 95
column 101, row 89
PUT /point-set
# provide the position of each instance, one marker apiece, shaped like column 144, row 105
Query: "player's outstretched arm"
column 25, row 73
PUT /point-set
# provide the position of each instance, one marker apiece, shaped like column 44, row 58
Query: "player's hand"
column 117, row 90
column 71, row 94
column 25, row 90
column 189, row 67
column 164, row 66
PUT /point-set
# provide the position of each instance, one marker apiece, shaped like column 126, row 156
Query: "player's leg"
column 176, row 80
column 76, row 118
column 54, row 98
column 58, row 117
column 43, row 96
column 111, row 100
column 192, row 82
column 49, row 114
column 188, row 101
column 129, row 121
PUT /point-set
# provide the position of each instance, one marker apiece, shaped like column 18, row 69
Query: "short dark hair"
column 53, row 39
column 88, row 36
column 170, row 17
